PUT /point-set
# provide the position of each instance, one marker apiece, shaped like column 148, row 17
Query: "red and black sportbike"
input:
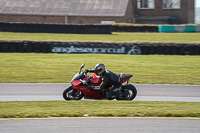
column 81, row 82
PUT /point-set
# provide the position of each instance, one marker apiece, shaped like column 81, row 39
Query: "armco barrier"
column 55, row 28
column 178, row 28
column 100, row 47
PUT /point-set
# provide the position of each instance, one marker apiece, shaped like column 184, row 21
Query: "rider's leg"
column 111, row 94
column 114, row 93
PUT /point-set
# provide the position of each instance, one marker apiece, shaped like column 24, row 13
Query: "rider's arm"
column 105, row 81
column 89, row 70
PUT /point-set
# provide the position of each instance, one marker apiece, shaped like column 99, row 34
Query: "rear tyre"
column 128, row 92
column 72, row 94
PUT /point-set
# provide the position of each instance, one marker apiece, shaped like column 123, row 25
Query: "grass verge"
column 60, row 68
column 114, row 37
column 38, row 109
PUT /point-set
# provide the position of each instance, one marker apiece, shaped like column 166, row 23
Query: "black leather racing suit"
column 109, row 79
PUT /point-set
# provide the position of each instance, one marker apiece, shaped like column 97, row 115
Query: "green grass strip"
column 114, row 37
column 38, row 109
column 60, row 68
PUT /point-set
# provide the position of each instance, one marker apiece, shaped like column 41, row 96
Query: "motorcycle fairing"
column 89, row 94
column 96, row 80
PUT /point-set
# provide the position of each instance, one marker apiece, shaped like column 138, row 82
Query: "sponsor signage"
column 106, row 49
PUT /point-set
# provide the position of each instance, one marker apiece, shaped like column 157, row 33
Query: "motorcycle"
column 81, row 83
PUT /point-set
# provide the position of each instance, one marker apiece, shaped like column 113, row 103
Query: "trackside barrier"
column 77, row 29
column 100, row 47
column 119, row 28
column 55, row 28
column 190, row 28
column 197, row 28
column 178, row 28
column 166, row 28
column 92, row 29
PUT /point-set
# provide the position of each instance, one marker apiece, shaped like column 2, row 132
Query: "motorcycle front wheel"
column 128, row 92
column 72, row 94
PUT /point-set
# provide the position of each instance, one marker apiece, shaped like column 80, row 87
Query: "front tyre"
column 72, row 94
column 128, row 92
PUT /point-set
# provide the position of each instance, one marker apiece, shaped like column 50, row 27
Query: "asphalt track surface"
column 100, row 125
column 53, row 91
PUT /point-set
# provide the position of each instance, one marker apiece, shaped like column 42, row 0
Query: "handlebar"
column 89, row 77
column 85, row 74
column 85, row 82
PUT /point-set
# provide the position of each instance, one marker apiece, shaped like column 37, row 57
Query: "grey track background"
column 53, row 91
column 101, row 125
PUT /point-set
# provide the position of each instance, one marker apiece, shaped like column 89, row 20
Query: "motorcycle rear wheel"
column 128, row 91
column 72, row 94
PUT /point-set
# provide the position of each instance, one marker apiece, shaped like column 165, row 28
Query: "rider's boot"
column 119, row 95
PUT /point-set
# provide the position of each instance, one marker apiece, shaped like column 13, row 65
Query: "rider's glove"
column 84, row 82
column 86, row 70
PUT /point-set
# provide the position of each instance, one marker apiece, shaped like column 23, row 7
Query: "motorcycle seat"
column 125, row 76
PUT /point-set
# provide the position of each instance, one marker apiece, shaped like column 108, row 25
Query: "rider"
column 109, row 79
